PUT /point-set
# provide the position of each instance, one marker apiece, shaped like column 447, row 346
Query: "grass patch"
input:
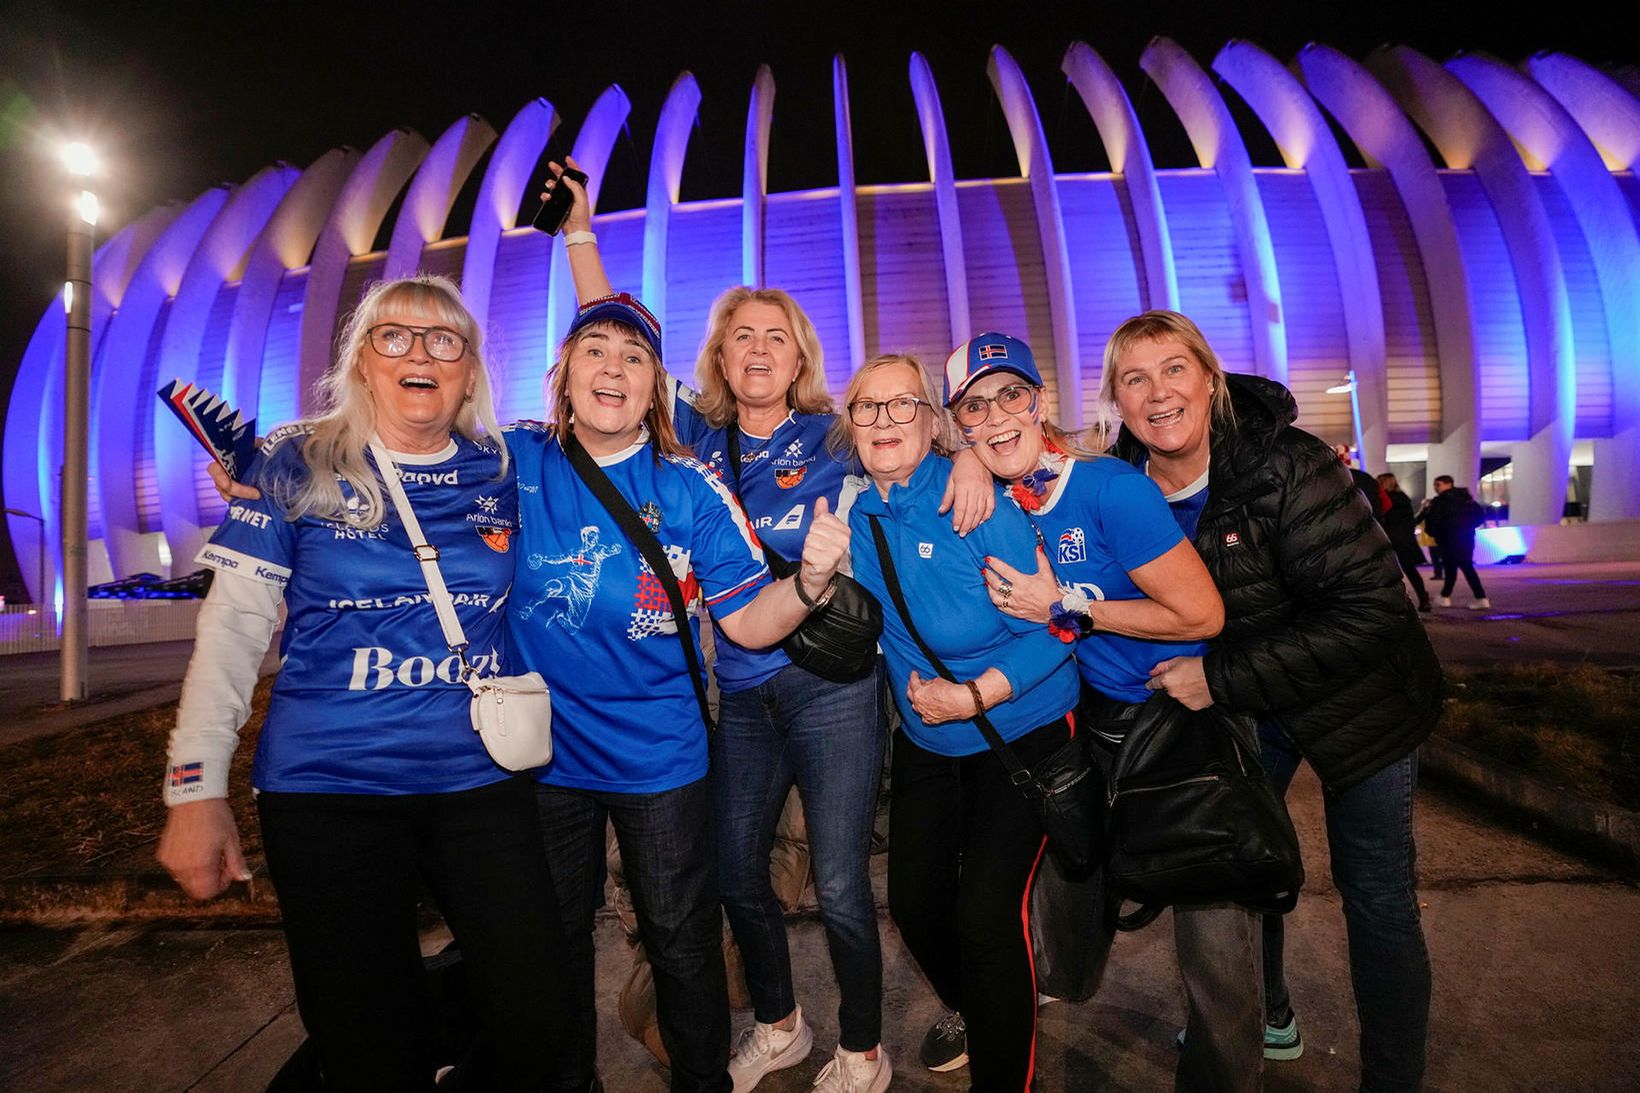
column 1570, row 725
column 90, row 798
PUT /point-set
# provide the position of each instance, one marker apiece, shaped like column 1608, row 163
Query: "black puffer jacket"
column 1319, row 635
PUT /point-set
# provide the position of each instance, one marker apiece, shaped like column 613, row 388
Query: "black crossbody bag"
column 639, row 535
column 838, row 641
column 1064, row 788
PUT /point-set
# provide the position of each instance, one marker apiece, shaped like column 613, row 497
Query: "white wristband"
column 576, row 239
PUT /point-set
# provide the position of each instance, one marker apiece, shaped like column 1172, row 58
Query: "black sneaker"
column 945, row 1048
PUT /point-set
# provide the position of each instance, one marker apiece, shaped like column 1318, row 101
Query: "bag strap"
column 777, row 565
column 1017, row 773
column 638, row 533
column 426, row 554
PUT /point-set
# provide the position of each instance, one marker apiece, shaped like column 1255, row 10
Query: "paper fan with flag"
column 228, row 438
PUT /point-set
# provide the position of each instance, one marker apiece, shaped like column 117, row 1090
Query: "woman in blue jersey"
column 760, row 420
column 370, row 778
column 965, row 842
column 588, row 613
column 1131, row 593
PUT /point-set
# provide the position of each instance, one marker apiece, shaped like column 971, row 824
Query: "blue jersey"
column 781, row 476
column 369, row 698
column 589, row 614
column 941, row 575
column 1100, row 520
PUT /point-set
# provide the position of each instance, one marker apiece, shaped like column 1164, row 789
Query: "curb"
column 147, row 898
column 1610, row 830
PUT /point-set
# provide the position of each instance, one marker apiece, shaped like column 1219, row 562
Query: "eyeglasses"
column 1013, row 399
column 395, row 340
column 901, row 411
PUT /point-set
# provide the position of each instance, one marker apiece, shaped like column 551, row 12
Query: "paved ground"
column 1535, row 952
column 1535, row 955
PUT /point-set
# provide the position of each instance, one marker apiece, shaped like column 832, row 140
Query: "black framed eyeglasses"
column 972, row 410
column 396, row 339
column 901, row 411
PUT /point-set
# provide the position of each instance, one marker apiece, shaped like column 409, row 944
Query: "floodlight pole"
column 76, row 461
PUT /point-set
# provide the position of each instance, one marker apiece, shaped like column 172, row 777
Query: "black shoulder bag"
column 1193, row 819
column 838, row 641
column 1064, row 788
column 638, row 533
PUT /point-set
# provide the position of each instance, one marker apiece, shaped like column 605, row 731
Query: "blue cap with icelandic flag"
column 622, row 307
column 983, row 354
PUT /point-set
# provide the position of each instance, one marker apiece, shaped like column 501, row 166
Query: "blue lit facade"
column 1486, row 297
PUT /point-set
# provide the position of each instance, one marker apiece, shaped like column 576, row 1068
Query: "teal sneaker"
column 1283, row 1042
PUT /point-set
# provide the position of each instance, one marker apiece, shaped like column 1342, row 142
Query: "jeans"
column 1369, row 837
column 828, row 739
column 668, row 860
column 1218, row 947
column 346, row 868
column 963, row 852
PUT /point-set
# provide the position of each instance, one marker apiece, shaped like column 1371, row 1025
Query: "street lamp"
column 81, row 163
column 1349, row 387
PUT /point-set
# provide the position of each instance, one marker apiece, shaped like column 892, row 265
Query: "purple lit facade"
column 1486, row 297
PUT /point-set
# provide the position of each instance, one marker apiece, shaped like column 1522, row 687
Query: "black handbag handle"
column 1017, row 773
column 777, row 565
column 650, row 547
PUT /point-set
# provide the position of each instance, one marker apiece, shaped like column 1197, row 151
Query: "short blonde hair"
column 334, row 450
column 1160, row 326
column 840, row 439
column 716, row 400
column 662, row 434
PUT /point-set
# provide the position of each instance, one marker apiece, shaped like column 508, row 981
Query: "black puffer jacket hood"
column 1319, row 635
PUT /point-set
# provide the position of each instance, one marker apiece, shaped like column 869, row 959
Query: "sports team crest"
column 1073, row 546
column 497, row 539
column 650, row 513
column 790, row 477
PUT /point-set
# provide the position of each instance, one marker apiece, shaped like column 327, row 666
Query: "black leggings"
column 1467, row 565
column 963, row 849
column 346, row 868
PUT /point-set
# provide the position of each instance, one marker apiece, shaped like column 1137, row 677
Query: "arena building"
column 1478, row 278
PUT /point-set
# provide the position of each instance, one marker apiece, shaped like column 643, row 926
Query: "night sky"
column 181, row 96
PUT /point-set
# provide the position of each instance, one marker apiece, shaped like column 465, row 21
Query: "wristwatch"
column 825, row 596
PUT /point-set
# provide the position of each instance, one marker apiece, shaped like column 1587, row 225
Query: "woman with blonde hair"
column 369, row 775
column 1320, row 644
column 759, row 419
column 966, row 842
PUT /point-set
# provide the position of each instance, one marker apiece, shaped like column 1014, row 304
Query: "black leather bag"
column 1064, row 788
column 838, row 641
column 1193, row 819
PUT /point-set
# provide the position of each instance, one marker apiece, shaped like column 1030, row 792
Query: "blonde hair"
column 334, row 451
column 716, row 400
column 840, row 438
column 1387, row 482
column 1158, row 326
column 662, row 435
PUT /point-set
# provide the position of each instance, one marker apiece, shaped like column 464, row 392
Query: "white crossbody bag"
column 511, row 714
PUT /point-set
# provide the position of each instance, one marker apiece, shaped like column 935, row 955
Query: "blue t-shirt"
column 941, row 575
column 369, row 698
column 781, row 476
column 589, row 614
column 1100, row 520
column 1187, row 505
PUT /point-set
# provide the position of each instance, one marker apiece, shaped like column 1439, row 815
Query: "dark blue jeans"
column 668, row 861
column 827, row 738
column 1369, row 837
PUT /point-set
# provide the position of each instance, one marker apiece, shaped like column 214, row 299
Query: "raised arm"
column 586, row 265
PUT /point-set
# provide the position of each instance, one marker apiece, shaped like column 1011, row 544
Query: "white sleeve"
column 236, row 623
column 853, row 486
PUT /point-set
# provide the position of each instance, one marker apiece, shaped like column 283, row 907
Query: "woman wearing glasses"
column 1127, row 591
column 965, row 842
column 760, row 420
column 370, row 777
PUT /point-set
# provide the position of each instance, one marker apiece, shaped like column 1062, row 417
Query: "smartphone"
column 555, row 209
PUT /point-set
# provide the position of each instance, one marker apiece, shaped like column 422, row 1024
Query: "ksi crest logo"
column 1073, row 546
column 650, row 513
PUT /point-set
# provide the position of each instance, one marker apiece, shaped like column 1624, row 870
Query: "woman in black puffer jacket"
column 1320, row 643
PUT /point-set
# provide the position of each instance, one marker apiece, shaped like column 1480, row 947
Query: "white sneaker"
column 1444, row 601
column 763, row 1048
column 1482, row 604
column 853, row 1072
